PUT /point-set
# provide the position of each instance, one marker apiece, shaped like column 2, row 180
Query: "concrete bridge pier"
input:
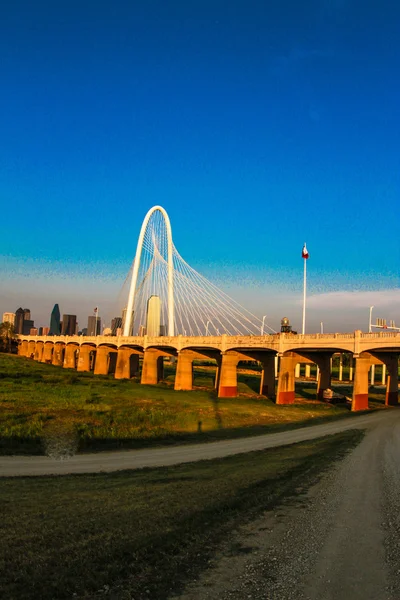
column 267, row 383
column 360, row 386
column 39, row 351
column 48, row 353
column 227, row 387
column 153, row 367
column 23, row 348
column 84, row 358
column 70, row 356
column 106, row 359
column 286, row 380
column 58, row 354
column 127, row 363
column 184, row 371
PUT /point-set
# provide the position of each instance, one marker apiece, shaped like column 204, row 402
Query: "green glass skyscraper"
column 55, row 321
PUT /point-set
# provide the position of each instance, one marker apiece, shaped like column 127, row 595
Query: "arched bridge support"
column 39, row 351
column 227, row 387
column 23, row 348
column 84, row 359
column 71, row 351
column 184, row 370
column 127, row 363
column 286, row 379
column 153, row 365
column 360, row 387
column 106, row 360
column 48, row 353
column 58, row 354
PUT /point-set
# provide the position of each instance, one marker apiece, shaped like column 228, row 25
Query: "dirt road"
column 159, row 457
column 340, row 540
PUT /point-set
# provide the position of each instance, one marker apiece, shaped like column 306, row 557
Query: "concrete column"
column 308, row 371
column 84, row 358
column 324, row 376
column 58, row 355
column 372, row 374
column 39, row 351
column 360, row 387
column 31, row 349
column 317, row 374
column 297, row 371
column 392, row 387
column 23, row 348
column 184, row 372
column 70, row 356
column 127, row 363
column 153, row 366
column 351, row 363
column 383, row 374
column 340, row 367
column 228, row 376
column 276, row 365
column 267, row 384
column 106, row 359
column 286, row 390
column 48, row 353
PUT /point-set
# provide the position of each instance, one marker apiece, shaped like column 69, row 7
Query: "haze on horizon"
column 257, row 128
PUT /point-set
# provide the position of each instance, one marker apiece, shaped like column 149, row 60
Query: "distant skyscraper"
column 68, row 326
column 19, row 321
column 153, row 316
column 9, row 318
column 116, row 323
column 33, row 330
column 27, row 314
column 123, row 320
column 46, row 330
column 55, row 321
column 40, row 331
column 27, row 326
column 91, row 326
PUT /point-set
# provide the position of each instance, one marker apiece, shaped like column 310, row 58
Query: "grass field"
column 141, row 534
column 47, row 409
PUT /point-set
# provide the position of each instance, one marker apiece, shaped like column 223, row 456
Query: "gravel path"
column 158, row 457
column 340, row 540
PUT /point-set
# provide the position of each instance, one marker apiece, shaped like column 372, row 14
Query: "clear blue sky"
column 257, row 125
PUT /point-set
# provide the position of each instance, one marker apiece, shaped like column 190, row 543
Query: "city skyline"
column 257, row 128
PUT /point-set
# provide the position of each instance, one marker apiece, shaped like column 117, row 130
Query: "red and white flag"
column 304, row 252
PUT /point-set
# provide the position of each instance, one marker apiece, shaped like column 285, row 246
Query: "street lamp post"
column 370, row 319
column 322, row 327
column 262, row 326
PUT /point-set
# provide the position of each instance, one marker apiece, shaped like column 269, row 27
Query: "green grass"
column 43, row 407
column 142, row 534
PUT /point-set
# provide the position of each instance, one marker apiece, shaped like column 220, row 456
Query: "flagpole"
column 304, row 296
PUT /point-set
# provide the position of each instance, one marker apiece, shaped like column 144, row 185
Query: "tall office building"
column 19, row 321
column 9, row 318
column 94, row 325
column 68, row 326
column 153, row 316
column 116, row 323
column 27, row 314
column 45, row 330
column 55, row 321
column 27, row 326
column 123, row 321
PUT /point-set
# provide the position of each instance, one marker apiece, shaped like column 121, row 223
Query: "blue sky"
column 257, row 125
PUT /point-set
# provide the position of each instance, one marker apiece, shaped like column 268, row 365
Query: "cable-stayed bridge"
column 166, row 296
column 173, row 312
